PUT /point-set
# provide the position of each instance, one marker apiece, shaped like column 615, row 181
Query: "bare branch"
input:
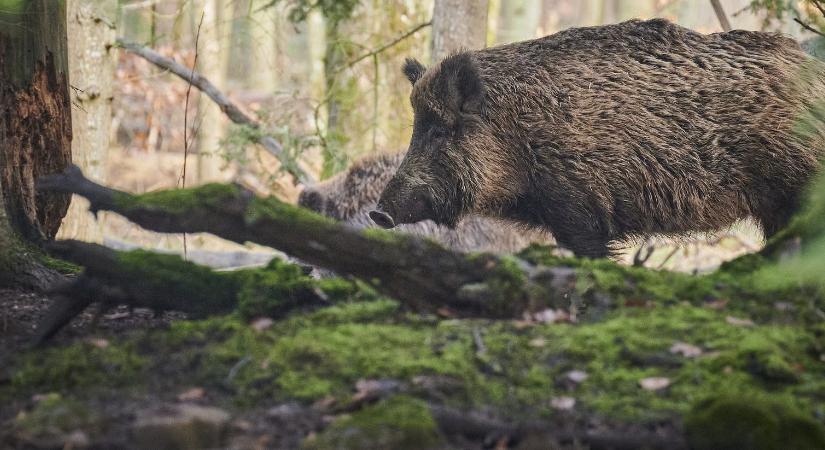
column 230, row 108
column 386, row 46
column 808, row 27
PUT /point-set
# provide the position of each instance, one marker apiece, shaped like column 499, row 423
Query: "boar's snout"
column 382, row 219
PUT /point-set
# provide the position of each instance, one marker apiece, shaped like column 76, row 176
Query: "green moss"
column 400, row 422
column 168, row 278
column 765, row 357
column 54, row 415
column 77, row 366
column 272, row 208
column 503, row 291
column 754, row 422
column 282, row 287
column 60, row 266
column 179, row 201
column 328, row 360
column 274, row 290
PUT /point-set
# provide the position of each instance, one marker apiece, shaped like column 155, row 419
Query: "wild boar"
column 603, row 134
column 349, row 196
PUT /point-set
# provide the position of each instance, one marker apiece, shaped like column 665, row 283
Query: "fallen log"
column 418, row 272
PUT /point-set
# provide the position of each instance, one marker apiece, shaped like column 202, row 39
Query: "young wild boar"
column 349, row 196
column 608, row 133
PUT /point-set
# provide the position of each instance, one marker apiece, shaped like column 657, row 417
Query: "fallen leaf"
column 716, row 304
column 563, row 403
column 551, row 316
column 262, row 323
column 324, row 403
column 366, row 389
column 783, row 306
column 577, row 376
column 739, row 322
column 537, row 342
column 195, row 393
column 445, row 312
column 76, row 439
column 654, row 383
column 117, row 315
column 522, row 324
column 99, row 342
column 242, row 425
column 685, row 349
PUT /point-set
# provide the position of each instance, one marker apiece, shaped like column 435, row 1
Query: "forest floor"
column 366, row 373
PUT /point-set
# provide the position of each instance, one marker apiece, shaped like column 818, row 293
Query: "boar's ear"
column 413, row 70
column 465, row 89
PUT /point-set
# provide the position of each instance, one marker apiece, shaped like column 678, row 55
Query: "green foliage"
column 333, row 10
column 233, row 147
column 783, row 10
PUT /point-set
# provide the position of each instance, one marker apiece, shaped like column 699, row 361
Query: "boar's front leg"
column 584, row 245
column 583, row 236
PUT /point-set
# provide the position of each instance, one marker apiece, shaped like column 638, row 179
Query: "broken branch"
column 232, row 110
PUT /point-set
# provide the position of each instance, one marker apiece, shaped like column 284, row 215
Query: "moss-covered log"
column 417, row 271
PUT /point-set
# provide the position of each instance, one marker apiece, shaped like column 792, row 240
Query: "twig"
column 819, row 7
column 808, row 27
column 384, row 47
column 643, row 254
column 186, row 119
column 232, row 110
column 720, row 14
column 667, row 258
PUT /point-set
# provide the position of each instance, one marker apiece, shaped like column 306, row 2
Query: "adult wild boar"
column 607, row 133
column 349, row 196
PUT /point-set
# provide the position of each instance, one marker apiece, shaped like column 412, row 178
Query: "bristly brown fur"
column 349, row 196
column 602, row 134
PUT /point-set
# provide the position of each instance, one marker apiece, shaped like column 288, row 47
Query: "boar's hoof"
column 382, row 219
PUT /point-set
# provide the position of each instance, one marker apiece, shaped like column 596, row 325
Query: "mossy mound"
column 402, row 423
column 727, row 422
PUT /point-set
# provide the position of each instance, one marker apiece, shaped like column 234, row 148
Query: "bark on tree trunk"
column 92, row 65
column 458, row 24
column 35, row 114
column 35, row 131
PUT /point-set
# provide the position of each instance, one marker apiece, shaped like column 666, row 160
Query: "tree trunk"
column 458, row 24
column 35, row 130
column 212, row 59
column 518, row 21
column 610, row 11
column 92, row 64
column 334, row 57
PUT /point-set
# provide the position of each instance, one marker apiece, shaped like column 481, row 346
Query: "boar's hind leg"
column 773, row 218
